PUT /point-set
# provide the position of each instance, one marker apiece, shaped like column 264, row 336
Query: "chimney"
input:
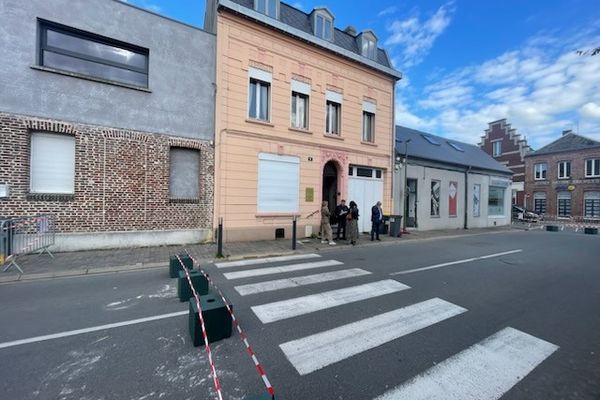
column 566, row 132
column 350, row 30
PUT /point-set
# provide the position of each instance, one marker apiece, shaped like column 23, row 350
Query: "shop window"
column 496, row 201
column 539, row 203
column 592, row 204
column 564, row 204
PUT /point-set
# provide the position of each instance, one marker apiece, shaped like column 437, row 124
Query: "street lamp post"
column 405, row 203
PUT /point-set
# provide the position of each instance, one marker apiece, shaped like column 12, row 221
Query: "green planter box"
column 552, row 228
column 175, row 265
column 184, row 292
column 216, row 319
column 591, row 231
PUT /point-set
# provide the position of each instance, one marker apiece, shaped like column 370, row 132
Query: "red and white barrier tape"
column 243, row 337
column 204, row 335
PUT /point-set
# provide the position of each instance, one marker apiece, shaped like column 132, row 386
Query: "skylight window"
column 431, row 140
column 456, row 147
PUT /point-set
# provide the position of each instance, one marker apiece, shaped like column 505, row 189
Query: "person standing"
column 341, row 211
column 352, row 219
column 326, row 232
column 376, row 220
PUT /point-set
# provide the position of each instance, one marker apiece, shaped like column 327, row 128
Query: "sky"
column 470, row 62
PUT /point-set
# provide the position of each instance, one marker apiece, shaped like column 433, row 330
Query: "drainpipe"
column 467, row 197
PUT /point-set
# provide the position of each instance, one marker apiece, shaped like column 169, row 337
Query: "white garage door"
column 365, row 188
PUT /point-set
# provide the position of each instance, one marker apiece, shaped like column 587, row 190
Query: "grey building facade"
column 118, row 104
column 446, row 184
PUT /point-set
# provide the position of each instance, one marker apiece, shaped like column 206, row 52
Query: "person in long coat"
column 353, row 223
column 326, row 232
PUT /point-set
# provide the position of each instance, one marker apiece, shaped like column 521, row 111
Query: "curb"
column 85, row 271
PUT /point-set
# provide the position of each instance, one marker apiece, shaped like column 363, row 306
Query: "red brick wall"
column 552, row 183
column 511, row 143
column 121, row 179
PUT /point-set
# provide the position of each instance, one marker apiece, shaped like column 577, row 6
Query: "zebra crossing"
column 485, row 370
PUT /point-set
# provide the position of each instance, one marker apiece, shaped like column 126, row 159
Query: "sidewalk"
column 121, row 260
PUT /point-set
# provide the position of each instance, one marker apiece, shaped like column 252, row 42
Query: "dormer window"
column 368, row 48
column 323, row 27
column 267, row 7
column 368, row 44
column 322, row 21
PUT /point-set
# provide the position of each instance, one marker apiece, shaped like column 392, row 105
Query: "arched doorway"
column 330, row 187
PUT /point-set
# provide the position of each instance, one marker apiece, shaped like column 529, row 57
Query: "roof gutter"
column 308, row 37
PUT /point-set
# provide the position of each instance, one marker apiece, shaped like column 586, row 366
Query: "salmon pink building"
column 304, row 113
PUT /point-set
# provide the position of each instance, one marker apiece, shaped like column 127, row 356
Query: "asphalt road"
column 514, row 315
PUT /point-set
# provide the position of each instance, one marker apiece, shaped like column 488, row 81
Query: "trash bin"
column 395, row 222
column 384, row 226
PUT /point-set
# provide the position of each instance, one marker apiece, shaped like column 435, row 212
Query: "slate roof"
column 300, row 20
column 444, row 152
column 568, row 142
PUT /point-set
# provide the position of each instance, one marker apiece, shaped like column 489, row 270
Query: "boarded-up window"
column 184, row 173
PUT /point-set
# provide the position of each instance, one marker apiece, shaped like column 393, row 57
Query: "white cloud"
column 590, row 110
column 387, row 11
column 541, row 89
column 416, row 37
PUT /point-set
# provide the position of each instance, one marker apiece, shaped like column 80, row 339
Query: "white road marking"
column 277, row 270
column 466, row 260
column 484, row 371
column 304, row 305
column 278, row 284
column 91, row 329
column 255, row 261
column 322, row 349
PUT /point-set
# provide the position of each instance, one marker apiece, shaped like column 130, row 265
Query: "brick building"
column 105, row 124
column 562, row 179
column 502, row 142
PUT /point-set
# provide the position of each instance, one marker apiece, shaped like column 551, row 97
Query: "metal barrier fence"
column 24, row 235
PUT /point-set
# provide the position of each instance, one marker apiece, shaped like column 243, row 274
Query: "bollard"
column 217, row 320
column 175, row 265
column 294, row 232
column 220, row 239
column 184, row 292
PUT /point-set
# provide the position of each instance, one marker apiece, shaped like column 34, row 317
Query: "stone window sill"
column 60, row 197
column 259, row 122
column 368, row 143
column 300, row 130
column 332, row 136
column 89, row 78
column 174, row 200
column 276, row 215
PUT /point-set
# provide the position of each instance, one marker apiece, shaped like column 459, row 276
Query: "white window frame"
column 563, row 165
column 287, row 200
column 497, row 148
column 259, row 77
column 300, row 89
column 565, row 196
column 590, row 196
column 368, row 133
column 369, row 48
column 321, row 34
column 595, row 165
column 52, row 165
column 267, row 8
column 538, row 171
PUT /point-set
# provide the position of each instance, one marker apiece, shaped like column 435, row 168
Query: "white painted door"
column 365, row 191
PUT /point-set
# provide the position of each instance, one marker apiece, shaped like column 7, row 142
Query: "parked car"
column 521, row 214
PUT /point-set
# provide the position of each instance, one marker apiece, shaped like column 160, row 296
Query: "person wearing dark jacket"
column 376, row 220
column 341, row 211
